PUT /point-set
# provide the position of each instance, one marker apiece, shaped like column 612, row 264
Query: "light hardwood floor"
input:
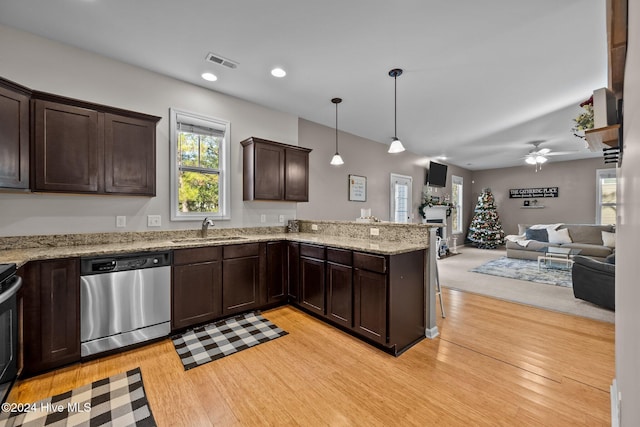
column 495, row 363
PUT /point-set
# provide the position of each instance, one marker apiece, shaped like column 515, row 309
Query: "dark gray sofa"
column 594, row 281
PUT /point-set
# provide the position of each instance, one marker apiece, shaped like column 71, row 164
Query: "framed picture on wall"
column 357, row 188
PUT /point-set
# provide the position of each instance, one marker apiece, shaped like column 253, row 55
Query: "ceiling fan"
column 537, row 156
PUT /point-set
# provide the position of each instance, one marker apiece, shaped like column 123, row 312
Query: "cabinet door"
column 296, row 175
column 14, row 139
column 312, row 284
column 129, row 155
column 276, row 271
column 370, row 305
column 293, row 279
column 340, row 293
column 240, row 284
column 196, row 294
column 51, row 315
column 66, row 141
column 269, row 172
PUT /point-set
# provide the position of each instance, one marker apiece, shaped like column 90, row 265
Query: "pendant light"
column 396, row 146
column 337, row 160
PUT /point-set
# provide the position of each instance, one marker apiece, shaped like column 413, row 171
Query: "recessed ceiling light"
column 278, row 72
column 209, row 77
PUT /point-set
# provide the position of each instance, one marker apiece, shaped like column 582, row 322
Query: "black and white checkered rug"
column 119, row 400
column 220, row 339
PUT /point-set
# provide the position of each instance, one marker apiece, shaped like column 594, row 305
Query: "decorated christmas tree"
column 486, row 230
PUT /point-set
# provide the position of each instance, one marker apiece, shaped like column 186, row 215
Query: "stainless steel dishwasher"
column 124, row 300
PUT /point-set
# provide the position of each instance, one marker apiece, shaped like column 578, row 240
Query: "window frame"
column 601, row 174
column 458, row 204
column 224, row 182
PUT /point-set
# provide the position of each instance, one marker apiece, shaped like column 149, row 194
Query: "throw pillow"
column 609, row 239
column 540, row 235
column 611, row 259
column 559, row 236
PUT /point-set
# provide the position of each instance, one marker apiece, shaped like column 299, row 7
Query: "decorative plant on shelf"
column 429, row 201
column 585, row 120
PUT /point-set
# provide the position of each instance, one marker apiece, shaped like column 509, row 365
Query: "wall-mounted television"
column 437, row 175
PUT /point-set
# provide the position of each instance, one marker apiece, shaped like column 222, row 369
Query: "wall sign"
column 530, row 193
column 357, row 188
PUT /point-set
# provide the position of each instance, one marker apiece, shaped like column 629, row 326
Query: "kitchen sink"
column 209, row 239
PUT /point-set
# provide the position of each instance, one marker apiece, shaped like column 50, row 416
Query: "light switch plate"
column 314, row 227
column 154, row 221
column 374, row 231
column 121, row 221
column 281, row 219
column 263, row 218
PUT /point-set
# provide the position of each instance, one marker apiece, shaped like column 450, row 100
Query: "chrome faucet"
column 205, row 225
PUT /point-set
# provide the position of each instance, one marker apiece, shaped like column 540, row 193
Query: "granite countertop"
column 374, row 245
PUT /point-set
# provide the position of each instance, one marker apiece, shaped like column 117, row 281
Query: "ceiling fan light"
column 530, row 160
column 337, row 160
column 396, row 146
column 541, row 159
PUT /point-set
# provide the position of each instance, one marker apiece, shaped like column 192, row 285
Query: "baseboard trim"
column 431, row 333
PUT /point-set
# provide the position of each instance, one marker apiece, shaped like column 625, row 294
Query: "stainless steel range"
column 124, row 300
column 9, row 286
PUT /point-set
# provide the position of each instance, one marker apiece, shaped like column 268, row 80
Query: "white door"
column 400, row 196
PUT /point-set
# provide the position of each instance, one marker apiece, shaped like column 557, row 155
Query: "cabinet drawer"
column 370, row 262
column 340, row 256
column 241, row 251
column 196, row 255
column 312, row 251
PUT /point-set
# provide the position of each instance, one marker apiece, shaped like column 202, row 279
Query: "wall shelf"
column 602, row 137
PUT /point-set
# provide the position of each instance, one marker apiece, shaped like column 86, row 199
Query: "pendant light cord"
column 336, row 127
column 395, row 106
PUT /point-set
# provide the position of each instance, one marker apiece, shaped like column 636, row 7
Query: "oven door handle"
column 9, row 293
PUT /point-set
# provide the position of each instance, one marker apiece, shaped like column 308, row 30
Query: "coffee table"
column 553, row 255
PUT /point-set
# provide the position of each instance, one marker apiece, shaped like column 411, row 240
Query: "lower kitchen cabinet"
column 340, row 286
column 242, row 287
column 293, row 271
column 276, row 271
column 51, row 314
column 370, row 305
column 312, row 278
column 196, row 286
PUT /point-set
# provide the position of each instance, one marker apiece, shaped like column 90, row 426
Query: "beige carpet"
column 455, row 274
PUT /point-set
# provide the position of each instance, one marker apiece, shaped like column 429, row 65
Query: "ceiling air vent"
column 221, row 60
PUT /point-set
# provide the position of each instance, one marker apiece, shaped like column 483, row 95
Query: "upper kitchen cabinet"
column 81, row 147
column 14, row 135
column 275, row 171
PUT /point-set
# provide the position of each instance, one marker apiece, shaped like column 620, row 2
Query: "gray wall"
column 43, row 65
column 628, row 267
column 576, row 182
column 328, row 184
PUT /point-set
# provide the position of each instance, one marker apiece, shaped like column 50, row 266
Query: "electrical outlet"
column 374, row 231
column 281, row 219
column 263, row 218
column 154, row 221
column 121, row 221
column 314, row 227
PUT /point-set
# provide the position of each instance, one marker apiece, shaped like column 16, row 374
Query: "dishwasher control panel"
column 125, row 262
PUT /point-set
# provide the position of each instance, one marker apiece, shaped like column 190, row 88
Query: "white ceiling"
column 482, row 79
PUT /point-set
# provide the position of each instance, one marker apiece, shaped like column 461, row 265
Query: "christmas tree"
column 486, row 230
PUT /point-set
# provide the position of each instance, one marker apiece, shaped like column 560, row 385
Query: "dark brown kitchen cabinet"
column 293, row 269
column 370, row 305
column 51, row 314
column 275, row 171
column 312, row 278
column 276, row 271
column 340, row 286
column 242, row 285
column 14, row 135
column 81, row 147
column 196, row 286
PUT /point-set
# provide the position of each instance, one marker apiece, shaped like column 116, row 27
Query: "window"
column 400, row 198
column 456, row 198
column 606, row 186
column 199, row 166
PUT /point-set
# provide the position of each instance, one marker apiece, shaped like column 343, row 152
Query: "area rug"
column 522, row 269
column 119, row 400
column 220, row 339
